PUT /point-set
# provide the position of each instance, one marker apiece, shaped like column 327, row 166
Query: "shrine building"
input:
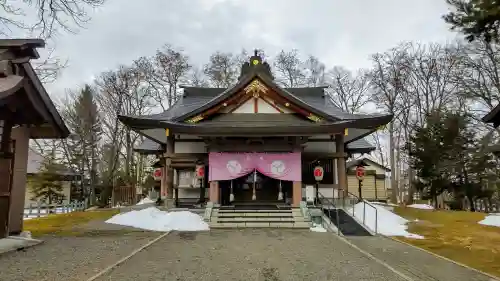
column 257, row 141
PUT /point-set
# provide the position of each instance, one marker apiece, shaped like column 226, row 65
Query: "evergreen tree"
column 83, row 120
column 477, row 19
column 439, row 152
column 46, row 185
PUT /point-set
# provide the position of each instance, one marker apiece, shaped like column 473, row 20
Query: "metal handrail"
column 323, row 198
column 364, row 209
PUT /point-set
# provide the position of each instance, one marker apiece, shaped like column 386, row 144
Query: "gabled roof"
column 227, row 93
column 193, row 113
column 493, row 116
column 25, row 85
column 365, row 162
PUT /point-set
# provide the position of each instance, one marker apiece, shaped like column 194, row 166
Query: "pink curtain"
column 228, row 166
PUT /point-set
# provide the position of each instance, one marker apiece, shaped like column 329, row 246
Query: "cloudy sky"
column 339, row 32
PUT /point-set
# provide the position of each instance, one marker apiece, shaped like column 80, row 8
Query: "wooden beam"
column 271, row 103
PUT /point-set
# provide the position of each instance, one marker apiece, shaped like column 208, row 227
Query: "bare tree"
column 289, row 69
column 314, row 72
column 114, row 89
column 197, row 78
column 432, row 77
column 222, row 69
column 163, row 73
column 478, row 77
column 389, row 81
column 49, row 68
column 348, row 92
column 49, row 15
column 378, row 139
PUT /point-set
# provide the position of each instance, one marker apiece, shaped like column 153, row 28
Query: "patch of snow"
column 317, row 228
column 154, row 219
column 145, row 200
column 491, row 219
column 421, row 206
column 388, row 223
column 384, row 204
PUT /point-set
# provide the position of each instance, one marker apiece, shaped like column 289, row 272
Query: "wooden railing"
column 42, row 209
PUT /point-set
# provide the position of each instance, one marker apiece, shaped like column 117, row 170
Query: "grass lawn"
column 65, row 224
column 457, row 236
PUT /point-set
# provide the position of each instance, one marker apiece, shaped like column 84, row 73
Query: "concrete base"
column 13, row 243
column 169, row 203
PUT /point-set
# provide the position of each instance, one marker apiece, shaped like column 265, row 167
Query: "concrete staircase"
column 258, row 218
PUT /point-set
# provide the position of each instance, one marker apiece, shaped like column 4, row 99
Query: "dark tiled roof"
column 493, row 116
column 196, row 97
column 360, row 144
column 18, row 52
column 365, row 161
column 148, row 146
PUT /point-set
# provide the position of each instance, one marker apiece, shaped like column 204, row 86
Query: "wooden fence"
column 43, row 209
column 124, row 196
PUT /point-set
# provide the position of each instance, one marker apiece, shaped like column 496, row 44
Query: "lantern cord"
column 280, row 193
column 231, row 195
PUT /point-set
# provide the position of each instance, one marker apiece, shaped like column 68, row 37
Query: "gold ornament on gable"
column 195, row 119
column 314, row 118
column 255, row 87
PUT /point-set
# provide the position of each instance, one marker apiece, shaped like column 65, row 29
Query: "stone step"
column 271, row 216
column 252, row 211
column 261, row 225
column 232, row 215
column 254, row 219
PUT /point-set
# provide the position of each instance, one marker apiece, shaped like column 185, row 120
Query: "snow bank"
column 384, row 204
column 145, row 200
column 389, row 224
column 156, row 220
column 491, row 219
column 421, row 206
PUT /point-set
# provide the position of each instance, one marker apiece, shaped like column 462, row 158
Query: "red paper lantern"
column 360, row 172
column 318, row 173
column 200, row 171
column 157, row 174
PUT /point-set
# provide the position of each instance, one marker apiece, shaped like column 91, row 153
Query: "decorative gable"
column 255, row 92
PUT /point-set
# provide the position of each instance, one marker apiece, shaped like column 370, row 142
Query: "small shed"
column 374, row 186
column 63, row 174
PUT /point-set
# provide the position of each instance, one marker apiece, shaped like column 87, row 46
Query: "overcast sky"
column 338, row 32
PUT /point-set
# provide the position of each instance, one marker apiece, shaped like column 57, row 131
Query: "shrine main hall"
column 257, row 141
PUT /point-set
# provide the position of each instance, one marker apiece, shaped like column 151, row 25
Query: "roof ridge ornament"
column 256, row 64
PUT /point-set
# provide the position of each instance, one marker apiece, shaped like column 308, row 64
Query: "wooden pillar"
column 5, row 176
column 341, row 170
column 169, row 171
column 213, row 193
column 296, row 193
column 297, row 185
column 163, row 180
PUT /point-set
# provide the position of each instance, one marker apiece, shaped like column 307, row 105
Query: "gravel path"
column 415, row 263
column 71, row 258
column 258, row 254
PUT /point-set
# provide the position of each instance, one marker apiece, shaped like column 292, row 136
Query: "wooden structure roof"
column 200, row 111
column 23, row 99
column 493, row 116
